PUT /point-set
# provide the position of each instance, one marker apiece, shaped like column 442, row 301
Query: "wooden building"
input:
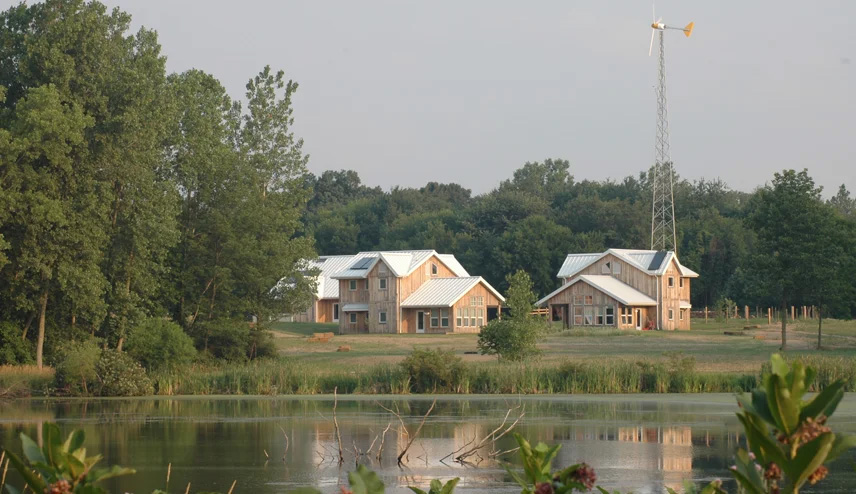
column 622, row 288
column 417, row 291
column 325, row 305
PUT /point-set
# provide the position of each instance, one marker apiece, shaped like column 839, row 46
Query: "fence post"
column 769, row 316
column 793, row 313
column 705, row 314
column 746, row 312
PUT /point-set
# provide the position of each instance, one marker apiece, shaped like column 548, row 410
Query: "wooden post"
column 793, row 313
column 769, row 316
column 805, row 312
column 735, row 312
column 705, row 314
column 746, row 312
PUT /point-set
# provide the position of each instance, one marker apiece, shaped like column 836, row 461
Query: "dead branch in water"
column 416, row 434
column 286, row 442
column 336, row 424
column 492, row 438
column 382, row 439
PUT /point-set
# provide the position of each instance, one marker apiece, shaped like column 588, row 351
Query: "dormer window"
column 381, row 283
column 433, row 269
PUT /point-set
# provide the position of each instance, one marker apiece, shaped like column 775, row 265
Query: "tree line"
column 129, row 193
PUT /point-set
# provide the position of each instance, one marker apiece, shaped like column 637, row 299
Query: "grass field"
column 706, row 342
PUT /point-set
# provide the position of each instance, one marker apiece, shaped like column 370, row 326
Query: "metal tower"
column 663, row 232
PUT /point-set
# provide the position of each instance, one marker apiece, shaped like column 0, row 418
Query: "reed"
column 25, row 380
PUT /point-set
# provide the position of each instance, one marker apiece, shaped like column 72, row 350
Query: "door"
column 638, row 319
column 420, row 322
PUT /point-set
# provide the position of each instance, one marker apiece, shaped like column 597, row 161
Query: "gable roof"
column 400, row 262
column 653, row 262
column 328, row 265
column 444, row 292
column 609, row 285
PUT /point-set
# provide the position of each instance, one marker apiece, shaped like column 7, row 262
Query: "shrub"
column 261, row 344
column 121, row 375
column 433, row 370
column 14, row 350
column 223, row 339
column 76, row 365
column 512, row 339
column 159, row 344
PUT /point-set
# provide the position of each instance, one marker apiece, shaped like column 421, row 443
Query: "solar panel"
column 363, row 263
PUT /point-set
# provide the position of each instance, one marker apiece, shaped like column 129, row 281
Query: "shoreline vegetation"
column 282, row 377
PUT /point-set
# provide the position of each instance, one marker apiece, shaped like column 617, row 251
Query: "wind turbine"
column 663, row 232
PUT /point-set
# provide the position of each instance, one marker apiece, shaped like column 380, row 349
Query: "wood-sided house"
column 418, row 291
column 623, row 288
column 325, row 304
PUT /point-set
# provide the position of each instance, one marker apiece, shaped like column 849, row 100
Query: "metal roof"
column 328, row 265
column 613, row 287
column 400, row 262
column 444, row 292
column 355, row 308
column 652, row 262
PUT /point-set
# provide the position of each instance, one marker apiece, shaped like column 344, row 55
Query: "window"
column 681, row 314
column 480, row 314
column 610, row 315
column 671, row 314
column 367, row 283
column 467, row 317
column 444, row 318
column 352, row 285
column 433, row 269
column 598, row 320
column 578, row 316
column 626, row 315
column 606, row 268
column 381, row 283
column 381, row 317
column 435, row 318
column 353, row 317
column 671, row 281
column 681, row 282
column 335, row 312
column 589, row 299
column 616, row 268
column 589, row 316
column 459, row 321
column 578, row 300
column 476, row 301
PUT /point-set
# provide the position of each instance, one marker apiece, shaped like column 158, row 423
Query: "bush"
column 222, row 339
column 159, row 344
column 261, row 344
column 75, row 367
column 512, row 339
column 433, row 370
column 121, row 375
column 14, row 350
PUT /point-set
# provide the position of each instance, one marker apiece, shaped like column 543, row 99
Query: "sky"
column 408, row 92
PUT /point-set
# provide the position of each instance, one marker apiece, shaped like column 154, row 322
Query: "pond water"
column 639, row 443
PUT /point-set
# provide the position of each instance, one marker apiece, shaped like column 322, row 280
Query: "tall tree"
column 785, row 216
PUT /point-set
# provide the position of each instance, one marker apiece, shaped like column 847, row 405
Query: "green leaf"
column 52, row 439
column 12, row 490
column 784, row 408
column 779, row 366
column 843, row 442
column 416, row 490
column 758, row 437
column 74, row 441
column 36, row 484
column 825, row 402
column 305, row 490
column 108, row 473
column 32, row 450
column 364, row 481
column 809, row 457
column 449, row 488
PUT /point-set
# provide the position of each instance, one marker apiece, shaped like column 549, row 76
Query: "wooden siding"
column 324, row 310
column 672, row 297
column 308, row 315
column 490, row 300
column 630, row 275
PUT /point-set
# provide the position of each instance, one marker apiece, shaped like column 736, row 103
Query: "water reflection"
column 638, row 443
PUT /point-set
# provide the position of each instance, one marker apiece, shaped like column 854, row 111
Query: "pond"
column 639, row 442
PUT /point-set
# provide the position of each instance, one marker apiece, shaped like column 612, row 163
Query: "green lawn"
column 706, row 342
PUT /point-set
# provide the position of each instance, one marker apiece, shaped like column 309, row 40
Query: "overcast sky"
column 467, row 91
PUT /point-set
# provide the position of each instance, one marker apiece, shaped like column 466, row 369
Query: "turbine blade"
column 651, row 46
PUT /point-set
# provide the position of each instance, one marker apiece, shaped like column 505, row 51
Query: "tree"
column 514, row 338
column 785, row 216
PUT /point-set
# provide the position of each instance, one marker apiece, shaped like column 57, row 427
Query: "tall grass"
column 25, row 380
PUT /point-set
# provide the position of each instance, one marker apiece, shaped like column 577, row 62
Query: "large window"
column 435, row 318
column 335, row 312
column 578, row 300
column 381, row 317
column 477, row 301
column 589, row 315
column 599, row 315
column 433, row 269
column 459, row 320
column 444, row 318
column 352, row 285
column 626, row 316
column 606, row 268
column 480, row 314
column 610, row 315
column 381, row 283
